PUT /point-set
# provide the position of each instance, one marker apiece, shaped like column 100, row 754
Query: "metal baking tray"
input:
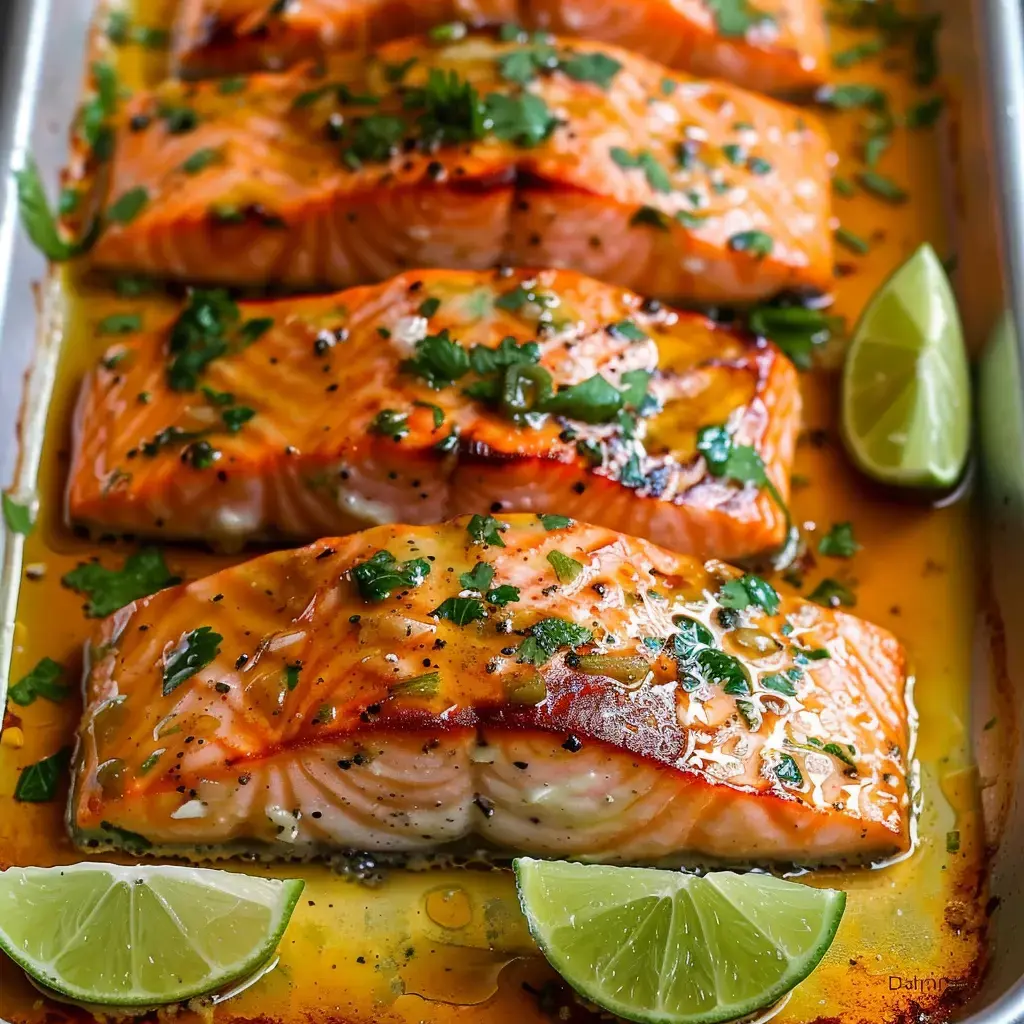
column 42, row 56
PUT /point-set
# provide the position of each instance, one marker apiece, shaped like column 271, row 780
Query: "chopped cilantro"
column 554, row 522
column 120, row 323
column 657, row 177
column 381, row 575
column 479, row 578
column 107, row 590
column 831, row 593
column 839, row 542
column 390, row 423
column 783, row 682
column 758, row 243
column 548, row 636
column 43, row 681
column 503, row 595
column 486, row 530
column 749, row 590
column 882, row 187
column 797, row 330
column 38, row 782
column 200, row 160
column 787, row 771
column 566, row 569
column 461, row 610
column 439, row 360
column 192, row 653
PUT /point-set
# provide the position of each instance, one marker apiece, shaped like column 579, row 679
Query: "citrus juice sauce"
column 422, row 946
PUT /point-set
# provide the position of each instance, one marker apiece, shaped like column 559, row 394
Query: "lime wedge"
column 109, row 935
column 669, row 948
column 906, row 400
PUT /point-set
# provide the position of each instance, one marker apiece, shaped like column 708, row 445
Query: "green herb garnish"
column 107, row 590
column 381, row 575
column 192, row 653
column 38, row 782
column 839, row 542
column 43, row 681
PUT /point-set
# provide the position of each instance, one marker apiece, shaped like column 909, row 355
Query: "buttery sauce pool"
column 445, row 945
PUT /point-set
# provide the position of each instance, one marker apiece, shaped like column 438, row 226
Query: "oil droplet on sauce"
column 449, row 908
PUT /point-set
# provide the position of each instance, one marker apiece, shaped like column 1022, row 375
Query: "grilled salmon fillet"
column 773, row 45
column 468, row 156
column 547, row 687
column 422, row 398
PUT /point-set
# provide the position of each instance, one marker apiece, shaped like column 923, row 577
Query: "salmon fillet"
column 772, row 45
column 467, row 156
column 543, row 686
column 388, row 403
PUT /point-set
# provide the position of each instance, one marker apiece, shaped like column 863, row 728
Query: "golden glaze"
column 788, row 53
column 310, row 463
column 304, row 219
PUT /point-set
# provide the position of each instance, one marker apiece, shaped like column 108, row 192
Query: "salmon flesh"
column 471, row 155
column 434, row 394
column 771, row 46
column 526, row 682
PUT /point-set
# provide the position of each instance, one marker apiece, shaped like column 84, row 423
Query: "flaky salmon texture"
column 527, row 682
column 771, row 45
column 470, row 155
column 435, row 394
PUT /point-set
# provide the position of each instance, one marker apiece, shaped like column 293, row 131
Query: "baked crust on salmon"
column 471, row 155
column 436, row 393
column 771, row 45
column 544, row 686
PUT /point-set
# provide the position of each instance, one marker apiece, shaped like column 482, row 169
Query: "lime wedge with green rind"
column 906, row 397
column 109, row 935
column 664, row 947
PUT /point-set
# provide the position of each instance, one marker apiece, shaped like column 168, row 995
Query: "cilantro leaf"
column 783, row 682
column 192, row 653
column 839, row 542
column 554, row 522
column 486, row 530
column 43, row 681
column 390, row 423
column 200, row 335
column 479, row 578
column 592, row 401
column 548, row 636
column 735, row 18
column 38, row 782
column 503, row 595
column 831, row 593
column 598, row 68
column 787, row 771
column 508, row 353
column 382, row 574
column 749, row 590
column 143, row 573
column 523, row 120
column 566, row 569
column 461, row 610
column 796, row 330
column 439, row 360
